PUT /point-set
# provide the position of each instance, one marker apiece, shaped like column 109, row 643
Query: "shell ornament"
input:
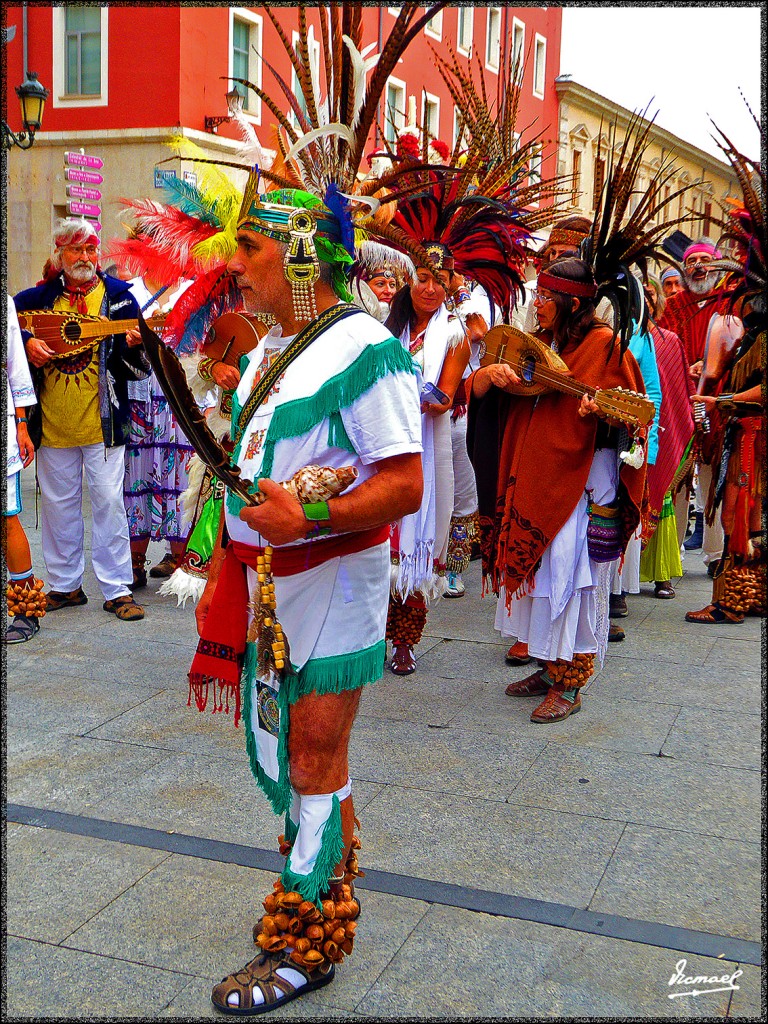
column 317, row 483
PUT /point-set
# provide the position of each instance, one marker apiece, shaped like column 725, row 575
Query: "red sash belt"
column 289, row 561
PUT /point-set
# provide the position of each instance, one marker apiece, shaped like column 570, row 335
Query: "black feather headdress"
column 629, row 225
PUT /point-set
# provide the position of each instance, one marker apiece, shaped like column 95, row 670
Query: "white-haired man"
column 81, row 423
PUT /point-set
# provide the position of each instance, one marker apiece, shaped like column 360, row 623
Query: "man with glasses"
column 688, row 314
column 81, row 423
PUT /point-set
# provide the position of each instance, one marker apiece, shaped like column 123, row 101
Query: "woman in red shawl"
column 540, row 463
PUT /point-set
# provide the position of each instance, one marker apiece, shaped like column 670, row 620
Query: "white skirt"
column 566, row 611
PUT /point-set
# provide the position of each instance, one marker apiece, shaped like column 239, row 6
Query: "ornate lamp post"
column 32, row 96
column 234, row 106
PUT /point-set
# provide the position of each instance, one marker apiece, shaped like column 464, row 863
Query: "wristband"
column 725, row 402
column 204, row 368
column 317, row 513
column 22, row 419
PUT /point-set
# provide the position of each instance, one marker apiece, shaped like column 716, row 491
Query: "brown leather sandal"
column 261, row 973
column 124, row 608
column 555, row 708
column 531, row 686
column 403, row 662
column 714, row 614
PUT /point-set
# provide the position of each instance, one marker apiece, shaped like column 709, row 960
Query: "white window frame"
column 434, row 27
column 399, row 121
column 518, row 25
column 252, row 113
column 313, row 46
column 434, row 101
column 395, row 11
column 470, row 10
column 492, row 63
column 539, row 42
column 60, row 97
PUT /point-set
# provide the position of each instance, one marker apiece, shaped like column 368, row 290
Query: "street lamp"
column 32, row 96
column 234, row 106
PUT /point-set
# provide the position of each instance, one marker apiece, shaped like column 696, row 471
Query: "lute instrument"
column 540, row 369
column 68, row 333
column 234, row 335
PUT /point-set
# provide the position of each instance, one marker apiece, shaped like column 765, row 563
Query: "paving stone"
column 70, row 773
column 487, row 845
column 675, row 878
column 658, row 647
column 716, row 737
column 691, row 632
column 688, row 686
column 740, row 654
column 407, row 699
column 747, row 1003
column 645, row 790
column 215, row 798
column 63, row 704
column 165, row 722
column 97, row 872
column 455, row 962
column 45, row 982
column 189, row 915
column 444, row 760
column 454, row 659
column 213, row 908
column 603, row 721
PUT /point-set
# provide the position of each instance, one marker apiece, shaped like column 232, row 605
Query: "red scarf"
column 77, row 294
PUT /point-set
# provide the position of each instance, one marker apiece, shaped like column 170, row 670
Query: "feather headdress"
column 744, row 228
column 630, row 225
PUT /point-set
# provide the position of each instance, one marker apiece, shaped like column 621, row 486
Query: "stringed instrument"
column 540, row 369
column 234, row 335
column 68, row 333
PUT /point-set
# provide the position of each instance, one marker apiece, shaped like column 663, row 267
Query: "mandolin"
column 68, row 333
column 540, row 369
column 232, row 336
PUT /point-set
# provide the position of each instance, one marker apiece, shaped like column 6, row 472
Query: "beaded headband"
column 581, row 289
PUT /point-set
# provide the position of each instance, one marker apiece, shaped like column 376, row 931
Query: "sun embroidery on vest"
column 255, row 442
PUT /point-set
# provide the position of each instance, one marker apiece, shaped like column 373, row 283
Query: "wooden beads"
column 26, row 597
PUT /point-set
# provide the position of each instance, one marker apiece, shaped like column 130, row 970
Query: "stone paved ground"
column 645, row 807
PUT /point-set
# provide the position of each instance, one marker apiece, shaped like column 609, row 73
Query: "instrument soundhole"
column 71, row 331
column 527, row 368
column 482, row 349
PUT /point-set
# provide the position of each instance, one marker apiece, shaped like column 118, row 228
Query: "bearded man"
column 81, row 422
column 688, row 314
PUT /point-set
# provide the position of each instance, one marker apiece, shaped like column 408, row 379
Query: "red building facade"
column 122, row 77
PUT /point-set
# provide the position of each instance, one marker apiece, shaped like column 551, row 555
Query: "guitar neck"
column 95, row 329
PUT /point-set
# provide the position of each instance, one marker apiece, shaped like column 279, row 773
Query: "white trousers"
column 60, row 472
column 464, row 485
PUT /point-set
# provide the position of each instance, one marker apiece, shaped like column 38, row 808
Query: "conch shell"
column 317, row 483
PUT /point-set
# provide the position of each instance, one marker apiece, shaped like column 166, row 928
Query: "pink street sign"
column 91, row 177
column 84, row 209
column 78, row 192
column 82, row 160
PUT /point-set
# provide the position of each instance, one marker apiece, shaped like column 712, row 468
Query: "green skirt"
column 661, row 558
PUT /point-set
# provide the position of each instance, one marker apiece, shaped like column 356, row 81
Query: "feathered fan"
column 624, row 233
column 172, row 380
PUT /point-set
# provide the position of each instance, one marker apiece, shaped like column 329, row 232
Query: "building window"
column 430, row 116
column 707, row 218
column 394, row 114
column 539, row 66
column 493, row 39
column 80, row 38
column 82, row 42
column 434, row 26
column 534, row 166
column 576, row 178
column 245, row 33
column 464, row 33
column 599, row 179
column 518, row 42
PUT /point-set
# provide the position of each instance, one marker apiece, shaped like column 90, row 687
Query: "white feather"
column 183, row 587
column 336, row 128
column 360, row 68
